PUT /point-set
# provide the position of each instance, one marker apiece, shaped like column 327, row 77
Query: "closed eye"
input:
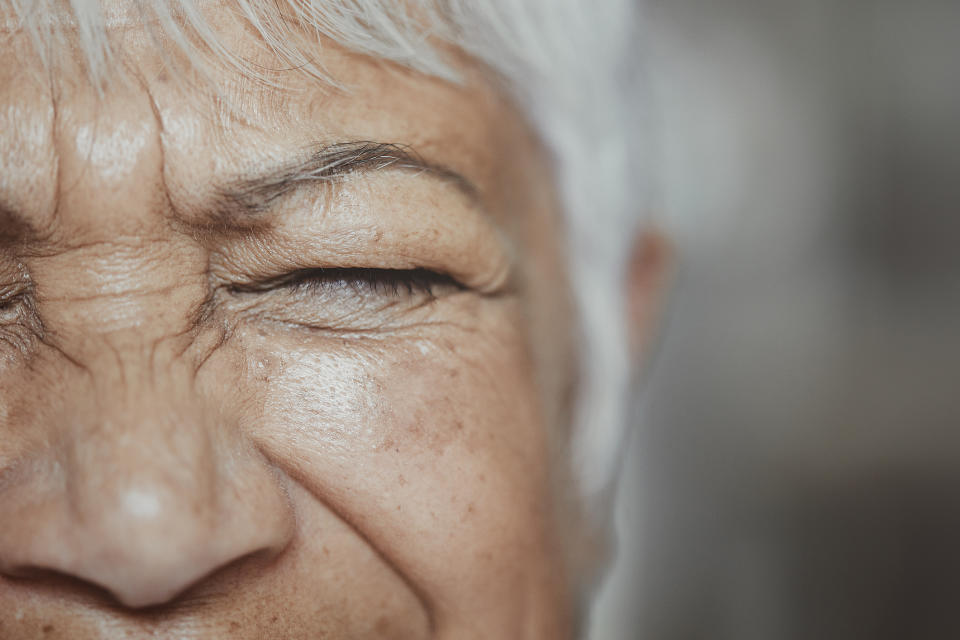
column 394, row 283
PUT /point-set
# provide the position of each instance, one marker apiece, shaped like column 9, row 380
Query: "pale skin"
column 203, row 435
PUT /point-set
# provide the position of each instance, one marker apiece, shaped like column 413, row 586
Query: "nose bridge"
column 145, row 462
column 144, row 436
column 139, row 465
column 143, row 374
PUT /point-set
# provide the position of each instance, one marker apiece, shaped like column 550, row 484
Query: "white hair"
column 572, row 64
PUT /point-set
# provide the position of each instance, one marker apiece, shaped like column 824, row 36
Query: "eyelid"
column 413, row 280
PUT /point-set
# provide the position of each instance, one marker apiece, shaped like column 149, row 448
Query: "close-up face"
column 278, row 357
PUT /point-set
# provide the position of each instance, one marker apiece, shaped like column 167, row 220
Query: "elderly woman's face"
column 287, row 364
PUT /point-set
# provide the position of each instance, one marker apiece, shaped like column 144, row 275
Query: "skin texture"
column 192, row 448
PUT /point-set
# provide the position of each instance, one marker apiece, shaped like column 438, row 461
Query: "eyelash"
column 383, row 282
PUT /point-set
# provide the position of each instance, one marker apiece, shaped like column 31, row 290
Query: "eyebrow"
column 242, row 202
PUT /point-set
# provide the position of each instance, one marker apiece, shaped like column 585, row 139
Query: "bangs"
column 84, row 32
column 508, row 36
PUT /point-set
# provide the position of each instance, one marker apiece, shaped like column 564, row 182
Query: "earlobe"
column 648, row 277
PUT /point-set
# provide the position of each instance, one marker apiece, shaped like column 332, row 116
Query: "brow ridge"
column 245, row 200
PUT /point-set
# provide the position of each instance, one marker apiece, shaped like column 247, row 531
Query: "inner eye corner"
column 13, row 295
column 13, row 306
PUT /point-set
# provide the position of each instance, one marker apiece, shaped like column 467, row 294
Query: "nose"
column 144, row 497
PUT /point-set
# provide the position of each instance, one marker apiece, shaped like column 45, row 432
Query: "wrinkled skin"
column 192, row 446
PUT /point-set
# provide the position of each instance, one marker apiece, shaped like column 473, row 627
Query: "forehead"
column 197, row 128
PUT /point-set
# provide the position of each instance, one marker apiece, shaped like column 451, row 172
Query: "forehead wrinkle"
column 169, row 205
column 108, row 168
column 29, row 162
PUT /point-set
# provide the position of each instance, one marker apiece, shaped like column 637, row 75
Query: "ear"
column 649, row 274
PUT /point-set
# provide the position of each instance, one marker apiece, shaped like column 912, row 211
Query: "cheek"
column 417, row 394
column 430, row 444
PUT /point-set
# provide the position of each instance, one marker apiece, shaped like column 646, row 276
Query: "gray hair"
column 571, row 64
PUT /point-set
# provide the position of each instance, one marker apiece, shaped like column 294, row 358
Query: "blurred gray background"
column 795, row 472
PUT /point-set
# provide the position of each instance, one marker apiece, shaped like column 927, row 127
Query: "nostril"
column 143, row 593
column 152, row 584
